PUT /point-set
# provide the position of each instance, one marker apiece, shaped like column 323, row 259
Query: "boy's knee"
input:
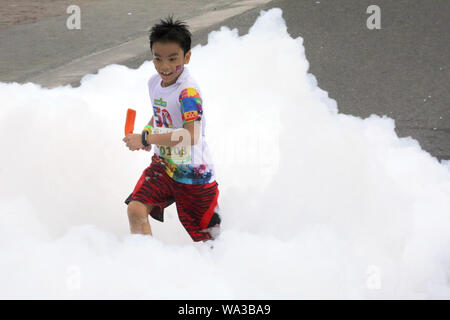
column 138, row 211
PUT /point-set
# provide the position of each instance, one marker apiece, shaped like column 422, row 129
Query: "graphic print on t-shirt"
column 162, row 116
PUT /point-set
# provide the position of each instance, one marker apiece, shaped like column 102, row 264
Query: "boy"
column 181, row 170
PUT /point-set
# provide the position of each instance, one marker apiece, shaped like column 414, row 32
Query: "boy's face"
column 169, row 61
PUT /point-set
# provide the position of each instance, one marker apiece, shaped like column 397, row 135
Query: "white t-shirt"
column 173, row 106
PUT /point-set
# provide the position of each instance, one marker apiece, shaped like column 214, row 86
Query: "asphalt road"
column 400, row 70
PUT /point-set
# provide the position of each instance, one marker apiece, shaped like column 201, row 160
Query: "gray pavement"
column 113, row 31
column 401, row 70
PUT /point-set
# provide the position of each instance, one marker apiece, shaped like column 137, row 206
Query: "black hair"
column 171, row 31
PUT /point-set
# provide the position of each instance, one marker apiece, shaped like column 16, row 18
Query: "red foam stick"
column 129, row 122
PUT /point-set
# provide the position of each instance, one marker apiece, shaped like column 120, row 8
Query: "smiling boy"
column 181, row 170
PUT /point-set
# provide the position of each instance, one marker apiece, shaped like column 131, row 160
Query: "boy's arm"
column 163, row 139
column 190, row 132
column 193, row 127
column 192, row 112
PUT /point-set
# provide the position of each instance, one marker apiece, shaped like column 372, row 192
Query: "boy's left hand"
column 133, row 141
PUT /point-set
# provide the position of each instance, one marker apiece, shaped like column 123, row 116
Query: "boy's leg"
column 151, row 195
column 138, row 217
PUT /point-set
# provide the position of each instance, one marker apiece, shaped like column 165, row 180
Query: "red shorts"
column 197, row 205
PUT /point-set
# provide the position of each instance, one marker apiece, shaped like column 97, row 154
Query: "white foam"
column 316, row 204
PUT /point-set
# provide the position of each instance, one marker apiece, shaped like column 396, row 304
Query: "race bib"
column 178, row 154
